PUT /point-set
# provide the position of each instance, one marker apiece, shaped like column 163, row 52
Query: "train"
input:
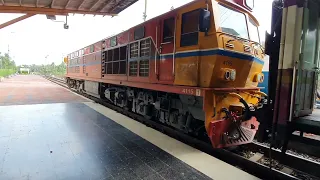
column 195, row 68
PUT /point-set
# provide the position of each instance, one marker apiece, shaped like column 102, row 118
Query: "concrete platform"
column 32, row 89
column 89, row 141
column 72, row 141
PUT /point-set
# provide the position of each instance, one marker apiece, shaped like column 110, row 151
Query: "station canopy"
column 62, row 7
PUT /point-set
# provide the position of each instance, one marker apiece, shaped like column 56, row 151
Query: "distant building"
column 23, row 70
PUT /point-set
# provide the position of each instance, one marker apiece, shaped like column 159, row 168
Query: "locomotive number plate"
column 227, row 63
column 196, row 92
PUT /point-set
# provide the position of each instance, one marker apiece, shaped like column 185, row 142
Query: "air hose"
column 246, row 114
column 234, row 125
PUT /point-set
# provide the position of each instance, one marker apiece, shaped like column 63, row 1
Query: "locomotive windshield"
column 253, row 30
column 233, row 22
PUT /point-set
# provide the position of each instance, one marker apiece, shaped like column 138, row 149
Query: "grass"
column 6, row 72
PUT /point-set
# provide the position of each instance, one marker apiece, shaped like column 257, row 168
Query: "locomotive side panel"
column 92, row 61
column 188, row 45
column 167, row 47
column 115, row 57
column 142, row 52
column 85, row 62
column 74, row 63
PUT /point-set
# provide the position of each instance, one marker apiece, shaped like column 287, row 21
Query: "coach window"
column 123, row 60
column 134, row 55
column 109, row 56
column 139, row 33
column 116, row 60
column 145, row 49
column 168, row 30
column 115, row 63
column 91, row 48
column 190, row 28
column 113, row 41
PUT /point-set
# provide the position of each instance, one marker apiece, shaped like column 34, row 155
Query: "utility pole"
column 145, row 10
column 45, row 65
column 9, row 42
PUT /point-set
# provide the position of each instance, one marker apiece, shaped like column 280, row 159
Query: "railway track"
column 253, row 158
column 293, row 164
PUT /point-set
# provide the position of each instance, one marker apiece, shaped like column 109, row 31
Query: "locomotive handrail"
column 246, row 114
column 165, row 43
column 236, row 95
column 261, row 93
column 234, row 36
column 242, row 39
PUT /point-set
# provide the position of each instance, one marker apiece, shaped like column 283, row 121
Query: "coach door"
column 167, row 49
column 307, row 70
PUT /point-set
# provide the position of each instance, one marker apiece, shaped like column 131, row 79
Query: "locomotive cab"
column 230, row 62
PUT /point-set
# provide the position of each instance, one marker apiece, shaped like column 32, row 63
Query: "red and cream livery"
column 195, row 68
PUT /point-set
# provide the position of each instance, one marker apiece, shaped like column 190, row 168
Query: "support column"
column 287, row 67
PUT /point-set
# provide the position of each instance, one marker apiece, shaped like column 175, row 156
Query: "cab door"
column 167, row 50
column 307, row 69
column 187, row 62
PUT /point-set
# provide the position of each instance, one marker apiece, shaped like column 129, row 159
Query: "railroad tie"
column 256, row 157
column 286, row 170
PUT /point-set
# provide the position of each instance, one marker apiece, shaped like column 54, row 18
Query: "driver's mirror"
column 204, row 20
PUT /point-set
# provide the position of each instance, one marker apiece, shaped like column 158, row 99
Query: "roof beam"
column 52, row 2
column 2, row 1
column 15, row 20
column 67, row 4
column 37, row 3
column 116, row 5
column 81, row 4
column 105, row 5
column 20, row 2
column 48, row 11
column 94, row 5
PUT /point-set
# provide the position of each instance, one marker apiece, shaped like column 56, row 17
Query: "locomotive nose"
column 233, row 123
column 225, row 133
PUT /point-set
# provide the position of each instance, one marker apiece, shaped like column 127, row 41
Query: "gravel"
column 306, row 156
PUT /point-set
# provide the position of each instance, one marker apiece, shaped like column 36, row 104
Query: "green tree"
column 7, row 65
column 48, row 69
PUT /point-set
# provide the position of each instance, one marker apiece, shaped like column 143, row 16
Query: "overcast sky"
column 31, row 40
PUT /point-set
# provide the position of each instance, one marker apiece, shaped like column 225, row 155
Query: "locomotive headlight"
column 228, row 74
column 258, row 78
column 233, row 75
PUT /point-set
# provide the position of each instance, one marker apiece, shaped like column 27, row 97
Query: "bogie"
column 166, row 108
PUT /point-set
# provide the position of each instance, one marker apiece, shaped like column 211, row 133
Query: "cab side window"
column 168, row 30
column 190, row 28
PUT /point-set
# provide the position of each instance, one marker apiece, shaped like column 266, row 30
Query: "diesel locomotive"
column 195, row 68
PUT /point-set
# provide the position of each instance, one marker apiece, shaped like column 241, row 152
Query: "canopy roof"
column 63, row 7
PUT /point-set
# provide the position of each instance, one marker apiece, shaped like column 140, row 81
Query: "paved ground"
column 32, row 89
column 72, row 141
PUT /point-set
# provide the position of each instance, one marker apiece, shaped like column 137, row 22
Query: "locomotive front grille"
column 247, row 135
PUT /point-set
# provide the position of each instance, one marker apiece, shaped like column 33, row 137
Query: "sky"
column 38, row 40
